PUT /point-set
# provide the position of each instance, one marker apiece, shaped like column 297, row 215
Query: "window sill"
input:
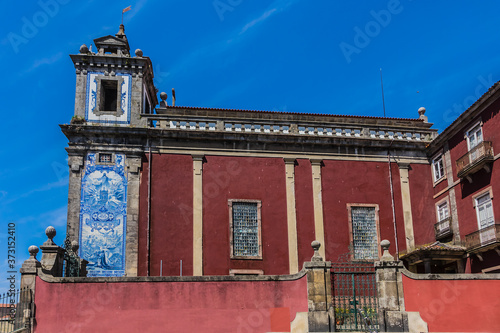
column 246, row 257
column 439, row 181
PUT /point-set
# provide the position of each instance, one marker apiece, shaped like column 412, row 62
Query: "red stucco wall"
column 262, row 179
column 455, row 305
column 171, row 234
column 422, row 204
column 354, row 182
column 482, row 179
column 249, row 306
column 304, row 208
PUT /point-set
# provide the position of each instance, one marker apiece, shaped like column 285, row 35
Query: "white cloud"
column 260, row 19
column 276, row 7
column 61, row 182
column 45, row 61
column 55, row 218
column 236, row 35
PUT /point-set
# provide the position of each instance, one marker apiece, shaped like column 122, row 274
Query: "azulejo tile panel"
column 125, row 92
column 103, row 216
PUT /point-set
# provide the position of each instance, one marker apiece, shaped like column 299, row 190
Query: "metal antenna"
column 382, row 84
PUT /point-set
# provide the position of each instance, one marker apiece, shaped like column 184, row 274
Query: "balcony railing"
column 443, row 228
column 475, row 159
column 483, row 239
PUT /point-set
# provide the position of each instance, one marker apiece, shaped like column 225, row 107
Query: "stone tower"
column 113, row 89
column 111, row 86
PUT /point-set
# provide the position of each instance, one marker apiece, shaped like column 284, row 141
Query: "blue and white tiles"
column 103, row 216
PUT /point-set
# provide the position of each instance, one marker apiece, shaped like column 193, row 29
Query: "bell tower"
column 113, row 91
column 112, row 87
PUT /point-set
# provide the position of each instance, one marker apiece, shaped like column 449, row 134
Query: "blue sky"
column 285, row 55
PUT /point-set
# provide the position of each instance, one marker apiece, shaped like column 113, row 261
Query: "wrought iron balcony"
column 475, row 159
column 443, row 228
column 484, row 239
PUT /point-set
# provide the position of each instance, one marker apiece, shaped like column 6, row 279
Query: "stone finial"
column 74, row 246
column 121, row 31
column 33, row 250
column 316, row 245
column 421, row 113
column 51, row 233
column 386, row 256
column 163, row 96
column 84, row 49
column 138, row 52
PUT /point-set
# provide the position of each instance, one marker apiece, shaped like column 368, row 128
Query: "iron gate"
column 354, row 293
column 13, row 307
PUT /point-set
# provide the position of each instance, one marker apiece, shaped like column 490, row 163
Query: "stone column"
column 392, row 314
column 293, row 255
column 52, row 255
column 319, row 293
column 198, row 215
column 405, row 197
column 319, row 231
column 29, row 271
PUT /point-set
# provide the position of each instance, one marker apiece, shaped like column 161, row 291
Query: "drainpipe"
column 148, row 241
column 392, row 202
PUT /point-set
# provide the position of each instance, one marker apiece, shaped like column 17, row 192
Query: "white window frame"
column 478, row 206
column 440, row 207
column 473, row 133
column 231, row 228
column 440, row 172
column 488, row 206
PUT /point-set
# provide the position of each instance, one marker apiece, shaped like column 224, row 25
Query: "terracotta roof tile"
column 297, row 113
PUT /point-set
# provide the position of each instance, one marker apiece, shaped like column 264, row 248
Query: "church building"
column 158, row 189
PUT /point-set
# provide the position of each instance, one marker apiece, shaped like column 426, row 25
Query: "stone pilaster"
column 319, row 293
column 29, row 269
column 406, row 201
column 132, row 237
column 392, row 314
column 319, row 230
column 52, row 255
column 75, row 163
column 293, row 255
column 451, row 193
column 198, row 215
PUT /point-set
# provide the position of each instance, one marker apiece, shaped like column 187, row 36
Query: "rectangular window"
column 438, row 168
column 442, row 211
column 109, row 95
column 484, row 209
column 364, row 231
column 474, row 136
column 105, row 158
column 245, row 223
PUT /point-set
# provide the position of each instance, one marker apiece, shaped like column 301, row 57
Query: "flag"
column 126, row 9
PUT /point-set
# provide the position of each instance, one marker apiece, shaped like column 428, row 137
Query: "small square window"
column 245, row 225
column 438, row 168
column 105, row 158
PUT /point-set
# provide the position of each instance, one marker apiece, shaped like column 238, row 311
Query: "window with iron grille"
column 105, row 158
column 245, row 223
column 363, row 221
